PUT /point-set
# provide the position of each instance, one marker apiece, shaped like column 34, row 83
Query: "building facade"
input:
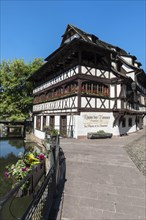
column 88, row 85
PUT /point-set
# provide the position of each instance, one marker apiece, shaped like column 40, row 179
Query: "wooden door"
column 44, row 122
column 52, row 121
column 63, row 125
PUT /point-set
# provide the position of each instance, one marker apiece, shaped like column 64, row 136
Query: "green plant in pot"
column 51, row 131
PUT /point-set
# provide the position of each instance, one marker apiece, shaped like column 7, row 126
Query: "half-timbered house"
column 88, row 85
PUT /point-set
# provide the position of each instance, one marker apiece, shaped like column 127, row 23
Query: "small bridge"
column 10, row 129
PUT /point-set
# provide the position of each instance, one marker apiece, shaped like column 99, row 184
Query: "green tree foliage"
column 16, row 89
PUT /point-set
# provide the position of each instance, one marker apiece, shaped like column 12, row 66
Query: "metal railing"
column 44, row 185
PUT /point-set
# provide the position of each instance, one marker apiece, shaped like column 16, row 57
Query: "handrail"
column 4, row 199
column 41, row 203
column 29, row 212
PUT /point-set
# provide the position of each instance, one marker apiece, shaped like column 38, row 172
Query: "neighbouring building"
column 88, row 85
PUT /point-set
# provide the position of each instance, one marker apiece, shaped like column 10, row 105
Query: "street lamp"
column 133, row 86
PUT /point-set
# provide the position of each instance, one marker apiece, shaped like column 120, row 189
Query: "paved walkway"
column 102, row 180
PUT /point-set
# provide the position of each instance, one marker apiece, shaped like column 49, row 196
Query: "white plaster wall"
column 112, row 75
column 83, row 102
column 96, row 122
column 112, row 102
column 83, row 69
column 34, row 126
column 75, row 125
column 47, row 120
column 132, row 75
column 54, row 106
column 112, row 91
column 133, row 128
column 114, row 65
column 106, row 74
column 41, row 122
column 142, row 99
column 92, row 122
column 39, row 134
column 72, row 72
column 127, row 59
column 98, row 72
column 118, row 90
column 71, row 125
column 118, row 103
column 57, row 122
column 114, row 129
column 127, row 68
column 105, row 103
column 94, row 102
column 118, row 129
column 144, row 120
column 92, row 71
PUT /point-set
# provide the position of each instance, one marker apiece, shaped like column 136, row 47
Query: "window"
column 137, row 120
column 124, row 122
column 71, row 88
column 130, row 122
column 52, row 121
column 94, row 88
column 36, row 99
column 38, row 122
column 44, row 122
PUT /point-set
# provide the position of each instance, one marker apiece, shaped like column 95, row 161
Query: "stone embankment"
column 30, row 137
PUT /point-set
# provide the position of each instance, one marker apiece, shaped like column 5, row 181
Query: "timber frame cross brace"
column 88, row 102
column 102, row 103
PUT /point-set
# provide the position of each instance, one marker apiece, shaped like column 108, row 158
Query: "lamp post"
column 133, row 86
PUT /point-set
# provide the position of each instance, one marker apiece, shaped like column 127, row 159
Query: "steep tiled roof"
column 92, row 39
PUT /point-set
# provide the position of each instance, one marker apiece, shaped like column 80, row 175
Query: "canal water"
column 13, row 146
column 9, row 151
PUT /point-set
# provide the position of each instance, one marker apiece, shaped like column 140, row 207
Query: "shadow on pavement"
column 56, row 207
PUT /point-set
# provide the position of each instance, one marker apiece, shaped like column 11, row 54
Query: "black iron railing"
column 43, row 187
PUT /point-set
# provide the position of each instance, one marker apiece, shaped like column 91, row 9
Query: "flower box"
column 31, row 162
column 95, row 135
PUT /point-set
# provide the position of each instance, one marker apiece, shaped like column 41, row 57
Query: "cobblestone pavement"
column 103, row 183
column 137, row 152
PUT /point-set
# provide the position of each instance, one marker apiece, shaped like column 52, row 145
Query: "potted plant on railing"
column 50, row 131
column 99, row 134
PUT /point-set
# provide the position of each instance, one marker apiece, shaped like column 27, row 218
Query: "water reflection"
column 9, row 151
column 11, row 146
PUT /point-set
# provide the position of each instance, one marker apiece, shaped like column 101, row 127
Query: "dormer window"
column 89, row 37
column 114, row 49
column 71, row 38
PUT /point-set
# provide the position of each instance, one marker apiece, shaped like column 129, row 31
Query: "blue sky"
column 31, row 29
